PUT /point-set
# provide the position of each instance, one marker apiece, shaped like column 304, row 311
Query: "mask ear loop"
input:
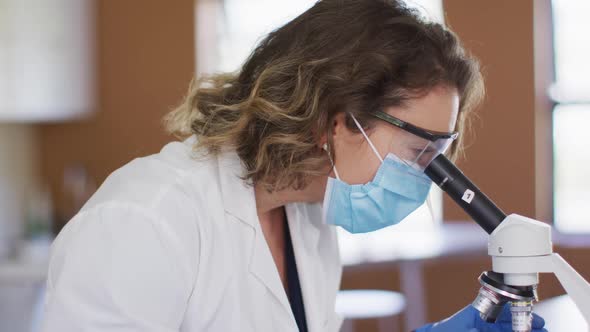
column 325, row 147
column 373, row 146
column 366, row 137
column 375, row 149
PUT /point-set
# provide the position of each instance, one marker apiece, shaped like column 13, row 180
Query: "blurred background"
column 84, row 85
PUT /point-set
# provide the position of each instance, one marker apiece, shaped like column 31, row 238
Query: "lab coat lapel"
column 305, row 235
column 239, row 201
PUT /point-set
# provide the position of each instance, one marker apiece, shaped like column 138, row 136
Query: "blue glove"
column 468, row 320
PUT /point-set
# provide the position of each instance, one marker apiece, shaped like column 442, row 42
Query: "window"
column 571, row 116
column 228, row 30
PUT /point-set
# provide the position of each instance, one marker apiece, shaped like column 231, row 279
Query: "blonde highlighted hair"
column 354, row 56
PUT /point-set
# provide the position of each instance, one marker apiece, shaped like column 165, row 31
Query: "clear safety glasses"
column 414, row 145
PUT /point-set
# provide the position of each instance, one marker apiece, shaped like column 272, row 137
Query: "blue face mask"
column 396, row 191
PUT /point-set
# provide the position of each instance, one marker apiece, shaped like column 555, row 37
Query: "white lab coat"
column 172, row 242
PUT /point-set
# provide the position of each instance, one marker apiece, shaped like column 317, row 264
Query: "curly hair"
column 354, row 56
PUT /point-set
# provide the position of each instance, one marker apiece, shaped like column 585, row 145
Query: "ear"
column 339, row 131
column 338, row 123
column 339, row 127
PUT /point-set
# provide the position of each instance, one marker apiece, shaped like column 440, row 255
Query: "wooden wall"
column 145, row 55
column 501, row 156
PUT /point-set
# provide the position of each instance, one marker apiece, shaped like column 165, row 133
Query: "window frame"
column 557, row 97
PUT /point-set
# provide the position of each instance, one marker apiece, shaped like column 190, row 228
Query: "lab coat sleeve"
column 117, row 268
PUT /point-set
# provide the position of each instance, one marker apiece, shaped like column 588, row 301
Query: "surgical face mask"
column 397, row 190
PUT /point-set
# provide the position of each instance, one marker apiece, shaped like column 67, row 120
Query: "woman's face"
column 354, row 159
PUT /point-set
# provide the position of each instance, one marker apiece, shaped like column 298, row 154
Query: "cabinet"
column 47, row 70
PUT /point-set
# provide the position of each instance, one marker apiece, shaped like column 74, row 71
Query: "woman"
column 329, row 122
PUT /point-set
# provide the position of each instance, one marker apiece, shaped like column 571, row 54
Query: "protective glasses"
column 414, row 145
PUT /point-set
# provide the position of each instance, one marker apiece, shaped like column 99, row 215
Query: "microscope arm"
column 521, row 260
column 574, row 284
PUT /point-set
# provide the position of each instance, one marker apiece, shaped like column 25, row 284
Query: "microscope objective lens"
column 522, row 316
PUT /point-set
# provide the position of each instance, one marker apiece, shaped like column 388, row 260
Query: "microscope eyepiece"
column 466, row 194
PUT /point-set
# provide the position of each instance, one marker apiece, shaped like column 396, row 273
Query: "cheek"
column 357, row 165
column 371, row 168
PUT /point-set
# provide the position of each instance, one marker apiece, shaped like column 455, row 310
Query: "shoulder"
column 145, row 228
column 147, row 205
column 145, row 181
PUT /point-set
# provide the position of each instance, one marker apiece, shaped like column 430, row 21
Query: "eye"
column 417, row 151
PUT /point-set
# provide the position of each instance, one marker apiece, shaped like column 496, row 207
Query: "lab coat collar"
column 239, row 201
column 238, row 196
column 231, row 172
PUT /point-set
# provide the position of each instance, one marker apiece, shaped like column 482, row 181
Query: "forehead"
column 437, row 110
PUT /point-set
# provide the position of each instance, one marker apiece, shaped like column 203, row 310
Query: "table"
column 21, row 294
column 411, row 251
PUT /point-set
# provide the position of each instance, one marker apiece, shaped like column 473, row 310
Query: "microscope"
column 520, row 247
